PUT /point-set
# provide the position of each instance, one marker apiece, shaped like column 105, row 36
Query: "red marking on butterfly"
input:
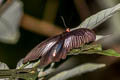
column 55, row 48
column 68, row 30
column 54, row 54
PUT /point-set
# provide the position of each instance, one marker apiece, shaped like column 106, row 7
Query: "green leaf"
column 98, row 18
column 94, row 49
column 85, row 49
column 110, row 52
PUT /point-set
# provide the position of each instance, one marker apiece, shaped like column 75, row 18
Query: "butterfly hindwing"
column 76, row 38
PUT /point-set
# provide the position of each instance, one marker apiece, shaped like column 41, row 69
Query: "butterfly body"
column 55, row 48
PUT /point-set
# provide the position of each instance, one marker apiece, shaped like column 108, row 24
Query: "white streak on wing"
column 48, row 46
column 54, row 53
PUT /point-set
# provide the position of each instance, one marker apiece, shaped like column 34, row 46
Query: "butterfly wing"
column 53, row 55
column 41, row 49
column 76, row 38
column 68, row 41
column 55, row 48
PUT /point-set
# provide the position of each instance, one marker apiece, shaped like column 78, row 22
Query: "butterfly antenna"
column 63, row 21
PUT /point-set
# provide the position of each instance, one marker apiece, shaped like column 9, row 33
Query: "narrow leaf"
column 94, row 49
column 85, row 49
column 20, row 65
column 3, row 66
column 77, row 71
column 109, row 52
column 9, row 23
column 96, row 19
column 98, row 37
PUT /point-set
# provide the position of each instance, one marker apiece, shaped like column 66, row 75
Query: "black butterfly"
column 55, row 48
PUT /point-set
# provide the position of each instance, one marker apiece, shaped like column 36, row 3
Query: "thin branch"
column 19, row 73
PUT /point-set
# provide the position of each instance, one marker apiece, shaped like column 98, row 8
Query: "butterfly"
column 55, row 48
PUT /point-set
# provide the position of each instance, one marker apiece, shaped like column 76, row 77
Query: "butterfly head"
column 67, row 29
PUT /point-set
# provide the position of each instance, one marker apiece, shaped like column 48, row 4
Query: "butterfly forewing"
column 41, row 49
